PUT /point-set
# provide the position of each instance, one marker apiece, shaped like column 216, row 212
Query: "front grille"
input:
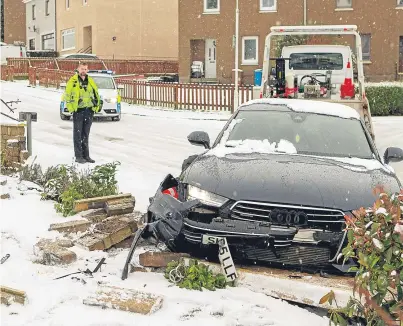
column 294, row 255
column 279, row 214
column 193, row 234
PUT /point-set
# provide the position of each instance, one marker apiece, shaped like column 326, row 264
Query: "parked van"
column 12, row 51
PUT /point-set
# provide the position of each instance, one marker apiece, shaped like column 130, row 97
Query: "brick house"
column 12, row 21
column 122, row 29
column 207, row 30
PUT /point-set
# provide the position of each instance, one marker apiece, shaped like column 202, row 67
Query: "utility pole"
column 236, row 91
column 305, row 13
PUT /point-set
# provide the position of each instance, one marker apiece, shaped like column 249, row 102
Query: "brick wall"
column 13, row 145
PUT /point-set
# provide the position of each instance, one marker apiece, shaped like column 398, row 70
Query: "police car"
column 109, row 93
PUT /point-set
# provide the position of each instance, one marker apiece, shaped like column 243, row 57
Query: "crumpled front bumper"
column 172, row 222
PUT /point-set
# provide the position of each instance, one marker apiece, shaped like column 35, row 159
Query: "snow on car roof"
column 309, row 106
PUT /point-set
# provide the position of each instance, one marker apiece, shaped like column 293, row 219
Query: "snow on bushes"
column 375, row 240
column 66, row 184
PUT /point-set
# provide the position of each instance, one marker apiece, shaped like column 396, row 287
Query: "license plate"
column 224, row 255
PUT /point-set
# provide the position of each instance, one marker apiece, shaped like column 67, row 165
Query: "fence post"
column 32, row 76
column 11, row 73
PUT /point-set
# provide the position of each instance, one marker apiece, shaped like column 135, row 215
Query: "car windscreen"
column 316, row 61
column 104, row 82
column 311, row 134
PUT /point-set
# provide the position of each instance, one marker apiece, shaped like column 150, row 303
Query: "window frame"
column 262, row 8
column 250, row 62
column 33, row 12
column 344, row 6
column 211, row 11
column 366, row 59
column 66, row 32
column 47, row 12
column 54, row 42
column 29, row 43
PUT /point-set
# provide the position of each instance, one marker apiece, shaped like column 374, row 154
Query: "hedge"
column 385, row 100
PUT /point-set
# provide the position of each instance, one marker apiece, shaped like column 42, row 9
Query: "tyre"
column 188, row 161
column 64, row 117
column 117, row 118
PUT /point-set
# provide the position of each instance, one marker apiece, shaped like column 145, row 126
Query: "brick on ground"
column 159, row 259
column 119, row 209
column 54, row 252
column 97, row 202
column 125, row 299
column 95, row 215
column 71, row 226
column 9, row 296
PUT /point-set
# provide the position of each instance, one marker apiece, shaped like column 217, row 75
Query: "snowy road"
column 149, row 144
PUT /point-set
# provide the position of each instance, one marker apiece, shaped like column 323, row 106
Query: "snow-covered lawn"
column 149, row 143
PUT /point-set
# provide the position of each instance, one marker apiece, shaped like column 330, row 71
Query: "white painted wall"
column 44, row 24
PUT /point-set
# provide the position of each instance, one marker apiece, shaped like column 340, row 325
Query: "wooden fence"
column 22, row 65
column 182, row 95
column 202, row 97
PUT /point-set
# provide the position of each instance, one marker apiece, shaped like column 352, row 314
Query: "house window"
column 400, row 3
column 85, row 2
column 366, row 47
column 250, row 49
column 33, row 12
column 68, row 39
column 344, row 3
column 31, row 43
column 47, row 8
column 268, row 5
column 67, row 4
column 48, row 41
column 212, row 6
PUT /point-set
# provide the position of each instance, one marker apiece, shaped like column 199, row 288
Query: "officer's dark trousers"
column 82, row 121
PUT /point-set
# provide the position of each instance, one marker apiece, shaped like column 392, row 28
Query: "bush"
column 196, row 276
column 385, row 100
column 66, row 184
column 375, row 240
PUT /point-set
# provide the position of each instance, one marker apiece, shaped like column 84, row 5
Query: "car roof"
column 306, row 106
column 98, row 74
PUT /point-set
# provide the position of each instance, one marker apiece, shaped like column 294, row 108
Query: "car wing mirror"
column 199, row 138
column 393, row 154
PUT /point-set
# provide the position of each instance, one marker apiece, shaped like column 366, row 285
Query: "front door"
column 211, row 59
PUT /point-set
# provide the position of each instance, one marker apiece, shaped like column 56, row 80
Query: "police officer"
column 82, row 99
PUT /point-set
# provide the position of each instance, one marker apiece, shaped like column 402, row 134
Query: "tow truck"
column 294, row 76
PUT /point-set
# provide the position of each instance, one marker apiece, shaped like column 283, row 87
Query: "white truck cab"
column 317, row 72
column 317, row 59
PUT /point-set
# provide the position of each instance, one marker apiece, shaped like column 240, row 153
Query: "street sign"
column 23, row 116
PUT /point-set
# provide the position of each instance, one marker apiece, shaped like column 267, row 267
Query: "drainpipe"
column 236, row 90
column 55, row 1
column 305, row 12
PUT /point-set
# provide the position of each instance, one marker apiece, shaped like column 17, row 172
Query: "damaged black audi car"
column 276, row 183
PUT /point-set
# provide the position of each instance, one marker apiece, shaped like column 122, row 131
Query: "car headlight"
column 205, row 197
column 110, row 100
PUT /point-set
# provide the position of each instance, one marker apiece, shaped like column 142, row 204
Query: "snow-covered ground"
column 149, row 143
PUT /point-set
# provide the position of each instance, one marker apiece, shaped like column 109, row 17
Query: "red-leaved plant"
column 375, row 241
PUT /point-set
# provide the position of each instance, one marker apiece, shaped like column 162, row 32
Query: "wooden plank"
column 96, row 202
column 119, row 209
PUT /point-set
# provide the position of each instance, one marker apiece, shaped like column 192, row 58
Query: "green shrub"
column 196, row 276
column 66, row 184
column 385, row 100
column 375, row 240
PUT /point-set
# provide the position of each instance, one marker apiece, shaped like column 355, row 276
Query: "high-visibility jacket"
column 77, row 96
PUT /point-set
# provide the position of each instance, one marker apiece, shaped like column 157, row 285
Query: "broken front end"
column 184, row 217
